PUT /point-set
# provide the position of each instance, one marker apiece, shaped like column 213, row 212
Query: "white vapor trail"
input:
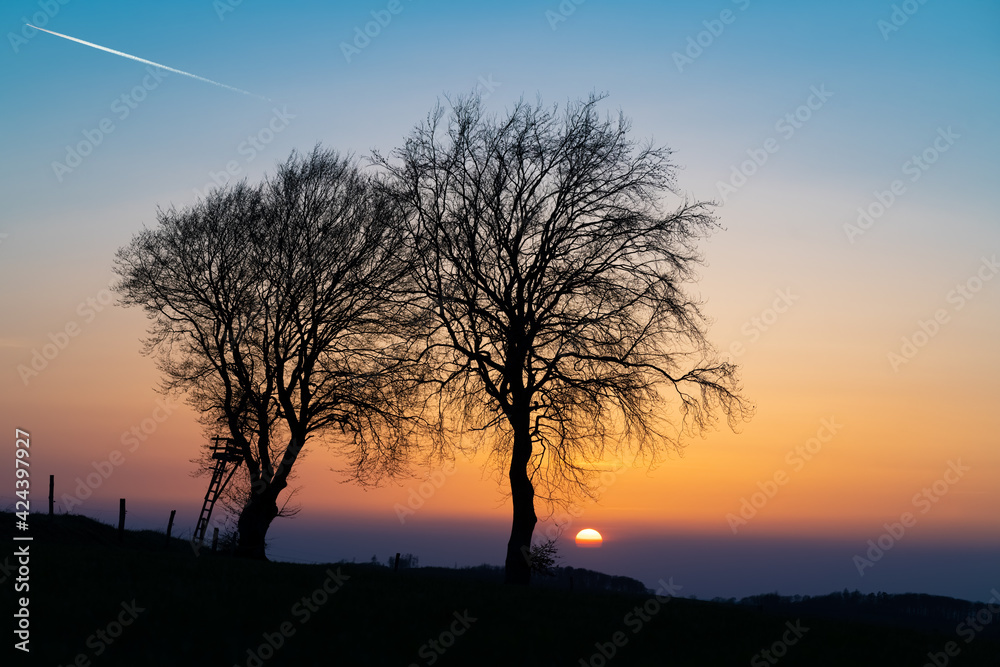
column 147, row 62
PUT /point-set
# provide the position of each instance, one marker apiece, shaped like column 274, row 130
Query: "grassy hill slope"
column 97, row 602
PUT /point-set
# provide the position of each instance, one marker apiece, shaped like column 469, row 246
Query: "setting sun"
column 589, row 538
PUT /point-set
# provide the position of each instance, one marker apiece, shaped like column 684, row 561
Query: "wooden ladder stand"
column 224, row 452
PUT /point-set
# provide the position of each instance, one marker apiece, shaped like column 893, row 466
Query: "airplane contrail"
column 148, row 62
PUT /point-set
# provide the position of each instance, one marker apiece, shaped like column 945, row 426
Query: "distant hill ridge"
column 167, row 576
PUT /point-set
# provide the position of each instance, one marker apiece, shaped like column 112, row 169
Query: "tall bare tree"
column 273, row 308
column 556, row 281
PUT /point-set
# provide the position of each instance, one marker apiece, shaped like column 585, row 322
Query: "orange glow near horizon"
column 832, row 457
column 869, row 472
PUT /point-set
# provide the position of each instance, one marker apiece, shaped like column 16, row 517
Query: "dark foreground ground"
column 96, row 602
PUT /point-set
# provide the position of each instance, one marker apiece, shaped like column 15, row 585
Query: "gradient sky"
column 808, row 300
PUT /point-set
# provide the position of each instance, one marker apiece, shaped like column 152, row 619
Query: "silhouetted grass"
column 210, row 610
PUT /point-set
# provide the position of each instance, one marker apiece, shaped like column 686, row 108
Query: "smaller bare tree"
column 275, row 309
column 543, row 557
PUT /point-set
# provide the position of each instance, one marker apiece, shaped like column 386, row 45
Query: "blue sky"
column 888, row 95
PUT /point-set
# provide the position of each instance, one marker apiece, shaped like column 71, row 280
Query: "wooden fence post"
column 52, row 487
column 170, row 526
column 121, row 520
column 395, row 568
column 215, row 538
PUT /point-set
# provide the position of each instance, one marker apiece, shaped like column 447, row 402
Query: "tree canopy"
column 555, row 277
column 274, row 308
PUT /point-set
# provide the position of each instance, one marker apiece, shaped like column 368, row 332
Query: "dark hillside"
column 96, row 602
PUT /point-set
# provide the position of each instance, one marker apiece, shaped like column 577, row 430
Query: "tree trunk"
column 262, row 508
column 518, row 566
column 254, row 521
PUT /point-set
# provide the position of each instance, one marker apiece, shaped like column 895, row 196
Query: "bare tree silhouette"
column 273, row 308
column 555, row 280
